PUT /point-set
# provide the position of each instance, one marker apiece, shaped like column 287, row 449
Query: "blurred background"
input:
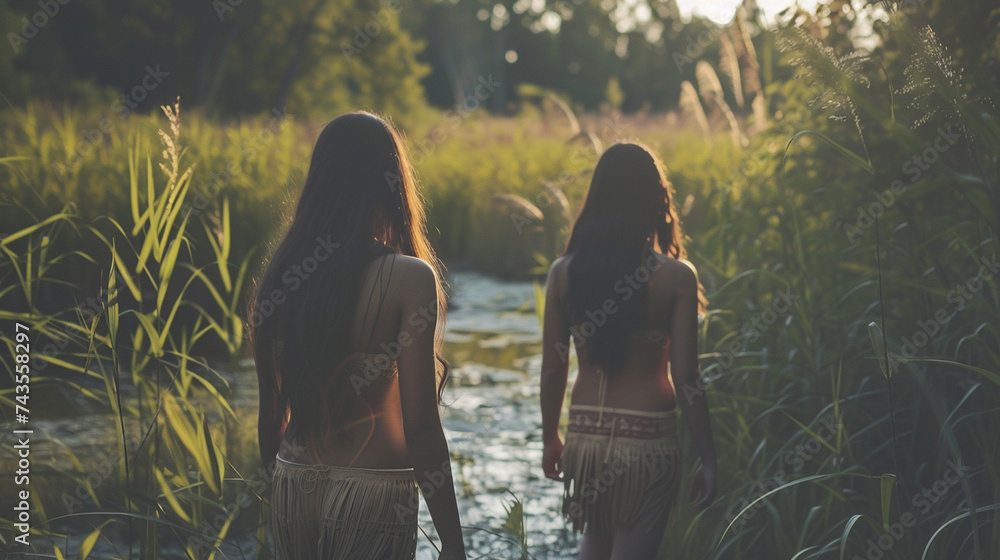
column 840, row 155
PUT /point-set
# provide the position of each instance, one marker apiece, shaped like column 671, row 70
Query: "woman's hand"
column 552, row 459
column 704, row 485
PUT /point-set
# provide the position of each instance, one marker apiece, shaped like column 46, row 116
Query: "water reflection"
column 492, row 419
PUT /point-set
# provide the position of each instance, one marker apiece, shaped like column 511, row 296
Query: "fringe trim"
column 611, row 483
column 336, row 513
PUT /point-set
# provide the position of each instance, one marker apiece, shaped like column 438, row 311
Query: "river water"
column 491, row 417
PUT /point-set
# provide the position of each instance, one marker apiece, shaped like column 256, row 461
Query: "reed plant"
column 128, row 352
column 855, row 423
column 842, row 273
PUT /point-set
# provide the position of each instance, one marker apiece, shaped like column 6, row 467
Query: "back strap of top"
column 382, row 296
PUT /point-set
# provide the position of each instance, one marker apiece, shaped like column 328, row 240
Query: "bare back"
column 644, row 381
column 365, row 422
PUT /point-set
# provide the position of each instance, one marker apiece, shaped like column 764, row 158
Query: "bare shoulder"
column 416, row 277
column 559, row 271
column 413, row 265
column 560, row 264
column 679, row 274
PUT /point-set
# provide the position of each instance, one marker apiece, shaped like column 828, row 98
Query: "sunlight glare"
column 721, row 11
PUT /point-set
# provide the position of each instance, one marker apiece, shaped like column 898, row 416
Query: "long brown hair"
column 359, row 202
column 628, row 213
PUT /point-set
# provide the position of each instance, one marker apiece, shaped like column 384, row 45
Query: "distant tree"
column 572, row 46
column 230, row 57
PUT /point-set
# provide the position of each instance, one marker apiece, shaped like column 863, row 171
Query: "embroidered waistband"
column 622, row 422
column 332, row 471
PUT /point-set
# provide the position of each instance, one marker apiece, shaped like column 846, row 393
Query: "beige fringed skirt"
column 337, row 513
column 621, row 469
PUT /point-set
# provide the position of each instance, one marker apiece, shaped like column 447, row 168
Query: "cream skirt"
column 337, row 513
column 621, row 469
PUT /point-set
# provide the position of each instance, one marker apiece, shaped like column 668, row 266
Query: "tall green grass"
column 131, row 264
column 815, row 463
column 130, row 354
column 789, row 489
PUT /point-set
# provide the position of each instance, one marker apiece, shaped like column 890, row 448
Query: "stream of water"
column 491, row 417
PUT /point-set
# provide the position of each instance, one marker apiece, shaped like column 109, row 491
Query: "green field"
column 846, row 224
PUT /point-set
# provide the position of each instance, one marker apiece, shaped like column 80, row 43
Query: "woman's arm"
column 425, row 441
column 690, row 393
column 555, row 369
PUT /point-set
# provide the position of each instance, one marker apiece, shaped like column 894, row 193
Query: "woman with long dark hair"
column 346, row 326
column 629, row 300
